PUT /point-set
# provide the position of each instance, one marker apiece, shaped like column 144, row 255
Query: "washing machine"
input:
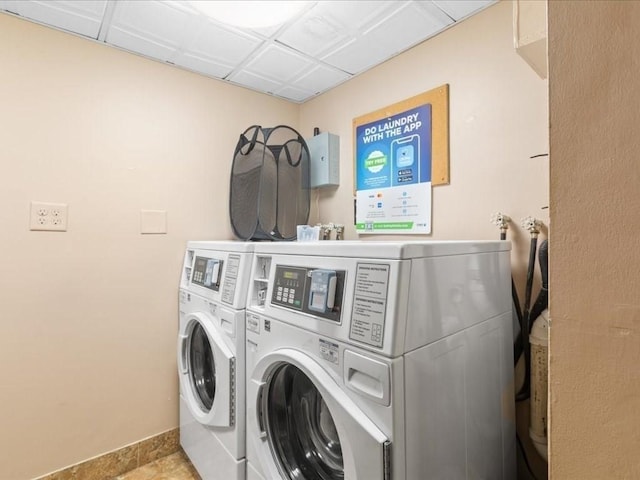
column 211, row 357
column 380, row 361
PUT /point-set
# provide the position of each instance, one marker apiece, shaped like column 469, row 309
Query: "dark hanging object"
column 269, row 194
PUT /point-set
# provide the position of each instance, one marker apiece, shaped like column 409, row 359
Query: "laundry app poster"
column 393, row 173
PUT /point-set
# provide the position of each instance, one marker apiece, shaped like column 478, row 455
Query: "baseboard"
column 122, row 460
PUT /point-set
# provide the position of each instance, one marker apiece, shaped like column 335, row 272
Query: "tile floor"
column 172, row 467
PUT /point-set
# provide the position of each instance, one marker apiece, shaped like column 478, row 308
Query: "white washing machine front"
column 317, row 409
column 207, row 364
column 378, row 361
column 211, row 356
column 211, row 370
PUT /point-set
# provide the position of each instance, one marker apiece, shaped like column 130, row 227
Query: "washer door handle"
column 182, row 349
column 260, row 411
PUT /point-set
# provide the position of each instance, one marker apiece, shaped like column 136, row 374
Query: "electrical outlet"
column 49, row 216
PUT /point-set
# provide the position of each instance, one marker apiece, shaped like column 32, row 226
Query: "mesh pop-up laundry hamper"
column 269, row 194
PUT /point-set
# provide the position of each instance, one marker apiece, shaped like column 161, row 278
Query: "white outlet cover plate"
column 46, row 216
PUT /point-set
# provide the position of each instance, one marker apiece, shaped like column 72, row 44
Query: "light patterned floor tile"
column 171, row 467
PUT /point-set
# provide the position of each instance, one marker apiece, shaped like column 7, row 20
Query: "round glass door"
column 202, row 368
column 301, row 431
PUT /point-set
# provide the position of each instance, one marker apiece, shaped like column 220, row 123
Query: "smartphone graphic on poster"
column 405, row 158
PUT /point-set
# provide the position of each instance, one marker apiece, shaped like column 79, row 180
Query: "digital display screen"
column 290, row 275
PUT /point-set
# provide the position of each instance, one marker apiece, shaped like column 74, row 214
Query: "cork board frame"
column 438, row 98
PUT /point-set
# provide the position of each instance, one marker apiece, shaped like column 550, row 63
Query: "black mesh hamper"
column 269, row 195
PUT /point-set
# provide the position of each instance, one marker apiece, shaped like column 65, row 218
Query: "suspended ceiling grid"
column 328, row 43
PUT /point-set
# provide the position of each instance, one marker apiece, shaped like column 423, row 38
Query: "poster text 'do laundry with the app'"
column 393, row 167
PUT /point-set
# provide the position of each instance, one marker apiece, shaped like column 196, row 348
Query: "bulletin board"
column 400, row 152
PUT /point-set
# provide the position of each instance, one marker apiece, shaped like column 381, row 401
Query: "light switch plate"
column 153, row 221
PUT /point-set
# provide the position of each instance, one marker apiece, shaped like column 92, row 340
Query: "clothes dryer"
column 380, row 361
column 211, row 357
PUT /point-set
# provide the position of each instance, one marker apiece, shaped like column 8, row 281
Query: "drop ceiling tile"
column 81, row 17
column 320, row 79
column 255, row 82
column 12, row 6
column 222, row 45
column 161, row 22
column 458, row 9
column 403, row 29
column 352, row 57
column 269, row 32
column 314, row 33
column 350, row 14
column 137, row 44
column 411, row 21
column 202, row 65
column 278, row 63
column 293, row 93
column 263, row 32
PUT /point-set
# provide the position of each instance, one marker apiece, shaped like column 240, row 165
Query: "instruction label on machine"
column 230, row 277
column 369, row 303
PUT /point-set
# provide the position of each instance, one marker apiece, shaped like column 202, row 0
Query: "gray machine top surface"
column 221, row 245
column 382, row 249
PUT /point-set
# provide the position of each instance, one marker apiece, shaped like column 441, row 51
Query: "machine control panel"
column 206, row 272
column 310, row 290
column 289, row 287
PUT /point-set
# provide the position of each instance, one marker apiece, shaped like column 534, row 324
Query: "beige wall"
column 498, row 119
column 88, row 318
column 595, row 265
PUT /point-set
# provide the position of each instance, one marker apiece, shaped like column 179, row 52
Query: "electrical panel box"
column 324, row 153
